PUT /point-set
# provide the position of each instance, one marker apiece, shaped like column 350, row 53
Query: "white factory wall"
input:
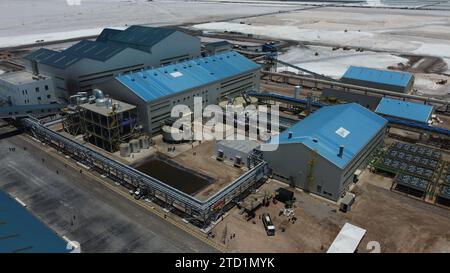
column 153, row 112
column 35, row 92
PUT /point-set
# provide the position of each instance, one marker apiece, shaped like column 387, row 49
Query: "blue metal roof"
column 396, row 78
column 404, row 110
column 326, row 129
column 21, row 232
column 156, row 83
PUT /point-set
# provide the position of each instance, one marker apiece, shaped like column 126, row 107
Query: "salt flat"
column 25, row 21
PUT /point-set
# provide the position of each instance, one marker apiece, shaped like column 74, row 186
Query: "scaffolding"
column 71, row 121
column 108, row 123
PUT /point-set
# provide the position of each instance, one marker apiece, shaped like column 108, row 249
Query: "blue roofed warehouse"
column 156, row 91
column 405, row 110
column 322, row 153
column 396, row 81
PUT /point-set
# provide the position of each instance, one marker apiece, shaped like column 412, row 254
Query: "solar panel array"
column 418, row 150
column 445, row 192
column 413, row 159
column 412, row 182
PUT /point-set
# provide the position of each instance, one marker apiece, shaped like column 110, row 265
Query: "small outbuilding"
column 236, row 151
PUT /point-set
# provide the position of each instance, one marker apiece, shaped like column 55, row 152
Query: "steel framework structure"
column 202, row 212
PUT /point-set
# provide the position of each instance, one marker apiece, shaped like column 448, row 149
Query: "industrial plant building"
column 405, row 110
column 156, row 91
column 23, row 93
column 107, row 123
column 86, row 63
column 24, row 88
column 395, row 81
column 322, row 153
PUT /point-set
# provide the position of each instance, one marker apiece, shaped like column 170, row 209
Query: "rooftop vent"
column 341, row 151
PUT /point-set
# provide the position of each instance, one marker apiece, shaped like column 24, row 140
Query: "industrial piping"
column 203, row 209
column 359, row 88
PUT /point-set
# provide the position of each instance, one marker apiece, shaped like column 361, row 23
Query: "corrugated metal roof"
column 350, row 125
column 94, row 50
column 404, row 110
column 153, row 84
column 21, row 232
column 40, row 54
column 396, row 78
column 53, row 58
column 140, row 37
column 218, row 43
column 106, row 34
column 244, row 146
column 84, row 49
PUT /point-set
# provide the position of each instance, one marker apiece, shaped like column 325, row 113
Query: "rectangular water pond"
column 173, row 174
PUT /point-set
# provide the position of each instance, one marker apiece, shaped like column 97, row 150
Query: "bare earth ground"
column 201, row 159
column 399, row 223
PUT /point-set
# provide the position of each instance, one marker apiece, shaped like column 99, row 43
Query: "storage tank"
column 124, row 149
column 135, row 146
column 101, row 102
column 144, row 142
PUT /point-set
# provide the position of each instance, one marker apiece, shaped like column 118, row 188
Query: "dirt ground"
column 201, row 159
column 399, row 223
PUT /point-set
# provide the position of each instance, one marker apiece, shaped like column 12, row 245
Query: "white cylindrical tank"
column 124, row 149
column 144, row 142
column 135, row 146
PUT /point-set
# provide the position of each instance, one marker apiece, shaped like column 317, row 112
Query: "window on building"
column 39, row 98
column 49, row 96
column 37, row 89
column 46, row 87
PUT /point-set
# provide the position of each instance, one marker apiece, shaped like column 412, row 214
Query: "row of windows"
column 38, row 98
column 25, row 91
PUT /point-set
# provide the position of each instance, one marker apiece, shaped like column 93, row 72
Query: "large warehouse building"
column 156, row 91
column 322, row 152
column 395, row 81
column 86, row 63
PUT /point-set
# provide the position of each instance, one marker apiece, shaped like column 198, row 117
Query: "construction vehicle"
column 268, row 225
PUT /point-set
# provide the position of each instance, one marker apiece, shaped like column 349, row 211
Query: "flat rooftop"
column 245, row 146
column 21, row 77
column 106, row 111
